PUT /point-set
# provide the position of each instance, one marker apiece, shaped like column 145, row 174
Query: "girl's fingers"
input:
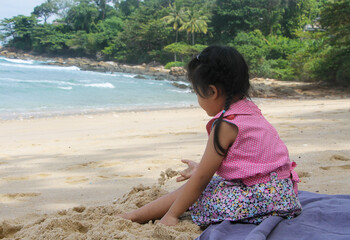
column 179, row 179
column 185, row 161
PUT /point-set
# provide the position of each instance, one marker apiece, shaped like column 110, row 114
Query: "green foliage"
column 267, row 56
column 127, row 7
column 50, row 39
column 174, row 64
column 18, row 30
column 297, row 14
column 83, row 17
column 327, row 57
column 184, row 50
column 179, row 48
column 176, row 17
column 46, row 9
column 194, row 22
column 253, row 47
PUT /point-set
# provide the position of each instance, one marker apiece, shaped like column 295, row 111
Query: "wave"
column 100, row 85
column 181, row 91
column 38, row 81
column 183, row 83
column 17, row 60
column 129, row 75
column 159, row 83
column 65, row 88
column 42, row 67
column 62, row 84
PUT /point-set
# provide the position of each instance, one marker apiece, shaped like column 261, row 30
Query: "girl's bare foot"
column 128, row 216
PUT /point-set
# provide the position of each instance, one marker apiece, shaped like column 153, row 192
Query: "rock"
column 158, row 69
column 178, row 71
column 154, row 64
column 180, row 85
column 140, row 77
column 159, row 78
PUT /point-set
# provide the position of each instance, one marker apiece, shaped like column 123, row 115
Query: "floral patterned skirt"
column 234, row 201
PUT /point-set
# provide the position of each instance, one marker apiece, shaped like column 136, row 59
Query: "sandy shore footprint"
column 16, row 197
column 76, row 179
column 303, row 174
column 336, row 158
column 26, row 177
column 93, row 165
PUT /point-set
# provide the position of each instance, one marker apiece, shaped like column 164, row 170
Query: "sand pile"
column 102, row 222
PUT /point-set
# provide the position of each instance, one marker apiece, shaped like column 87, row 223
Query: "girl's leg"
column 153, row 210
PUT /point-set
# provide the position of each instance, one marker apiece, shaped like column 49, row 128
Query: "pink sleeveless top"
column 257, row 150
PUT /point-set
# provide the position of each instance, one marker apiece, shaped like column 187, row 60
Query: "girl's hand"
column 168, row 220
column 188, row 172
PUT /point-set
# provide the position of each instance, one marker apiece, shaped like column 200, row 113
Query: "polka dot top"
column 257, row 150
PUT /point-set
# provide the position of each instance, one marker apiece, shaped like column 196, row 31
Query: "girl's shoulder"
column 243, row 107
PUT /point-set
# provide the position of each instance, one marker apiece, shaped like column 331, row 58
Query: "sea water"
column 31, row 88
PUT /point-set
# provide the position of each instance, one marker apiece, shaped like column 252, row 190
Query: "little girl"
column 256, row 178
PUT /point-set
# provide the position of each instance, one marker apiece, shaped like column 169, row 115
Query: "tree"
column 63, row 7
column 184, row 49
column 180, row 48
column 297, row 14
column 46, row 9
column 272, row 11
column 195, row 22
column 82, row 16
column 128, row 6
column 175, row 17
column 49, row 38
column 18, row 31
column 335, row 64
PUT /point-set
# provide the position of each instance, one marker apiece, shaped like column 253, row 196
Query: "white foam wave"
column 63, row 84
column 18, row 60
column 42, row 67
column 154, row 83
column 181, row 91
column 184, row 83
column 65, row 88
column 100, row 85
column 129, row 75
column 38, row 81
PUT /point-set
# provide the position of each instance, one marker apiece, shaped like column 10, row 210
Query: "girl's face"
column 213, row 103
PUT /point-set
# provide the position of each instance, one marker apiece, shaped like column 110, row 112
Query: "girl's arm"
column 209, row 164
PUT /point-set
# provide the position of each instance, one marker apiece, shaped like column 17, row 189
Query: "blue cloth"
column 324, row 217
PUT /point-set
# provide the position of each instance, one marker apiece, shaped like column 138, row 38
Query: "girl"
column 255, row 176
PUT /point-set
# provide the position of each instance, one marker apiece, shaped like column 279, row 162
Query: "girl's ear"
column 214, row 92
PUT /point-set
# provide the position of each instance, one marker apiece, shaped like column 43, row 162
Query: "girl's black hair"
column 225, row 68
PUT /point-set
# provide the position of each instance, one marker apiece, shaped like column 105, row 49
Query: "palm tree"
column 175, row 17
column 195, row 22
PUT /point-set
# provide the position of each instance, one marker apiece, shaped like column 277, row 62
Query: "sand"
column 67, row 177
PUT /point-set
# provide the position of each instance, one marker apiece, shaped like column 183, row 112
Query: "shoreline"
column 86, row 64
column 94, row 112
column 260, row 87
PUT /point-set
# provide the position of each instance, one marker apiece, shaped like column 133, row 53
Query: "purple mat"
column 324, row 217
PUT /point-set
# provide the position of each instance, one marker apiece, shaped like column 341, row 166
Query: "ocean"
column 30, row 88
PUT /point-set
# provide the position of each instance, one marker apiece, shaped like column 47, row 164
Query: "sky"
column 11, row 8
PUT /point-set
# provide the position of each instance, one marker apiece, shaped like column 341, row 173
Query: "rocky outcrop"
column 151, row 69
column 177, row 71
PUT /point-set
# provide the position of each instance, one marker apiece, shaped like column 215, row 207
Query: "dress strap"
column 295, row 177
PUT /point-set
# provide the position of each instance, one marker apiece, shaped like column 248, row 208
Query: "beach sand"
column 68, row 176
